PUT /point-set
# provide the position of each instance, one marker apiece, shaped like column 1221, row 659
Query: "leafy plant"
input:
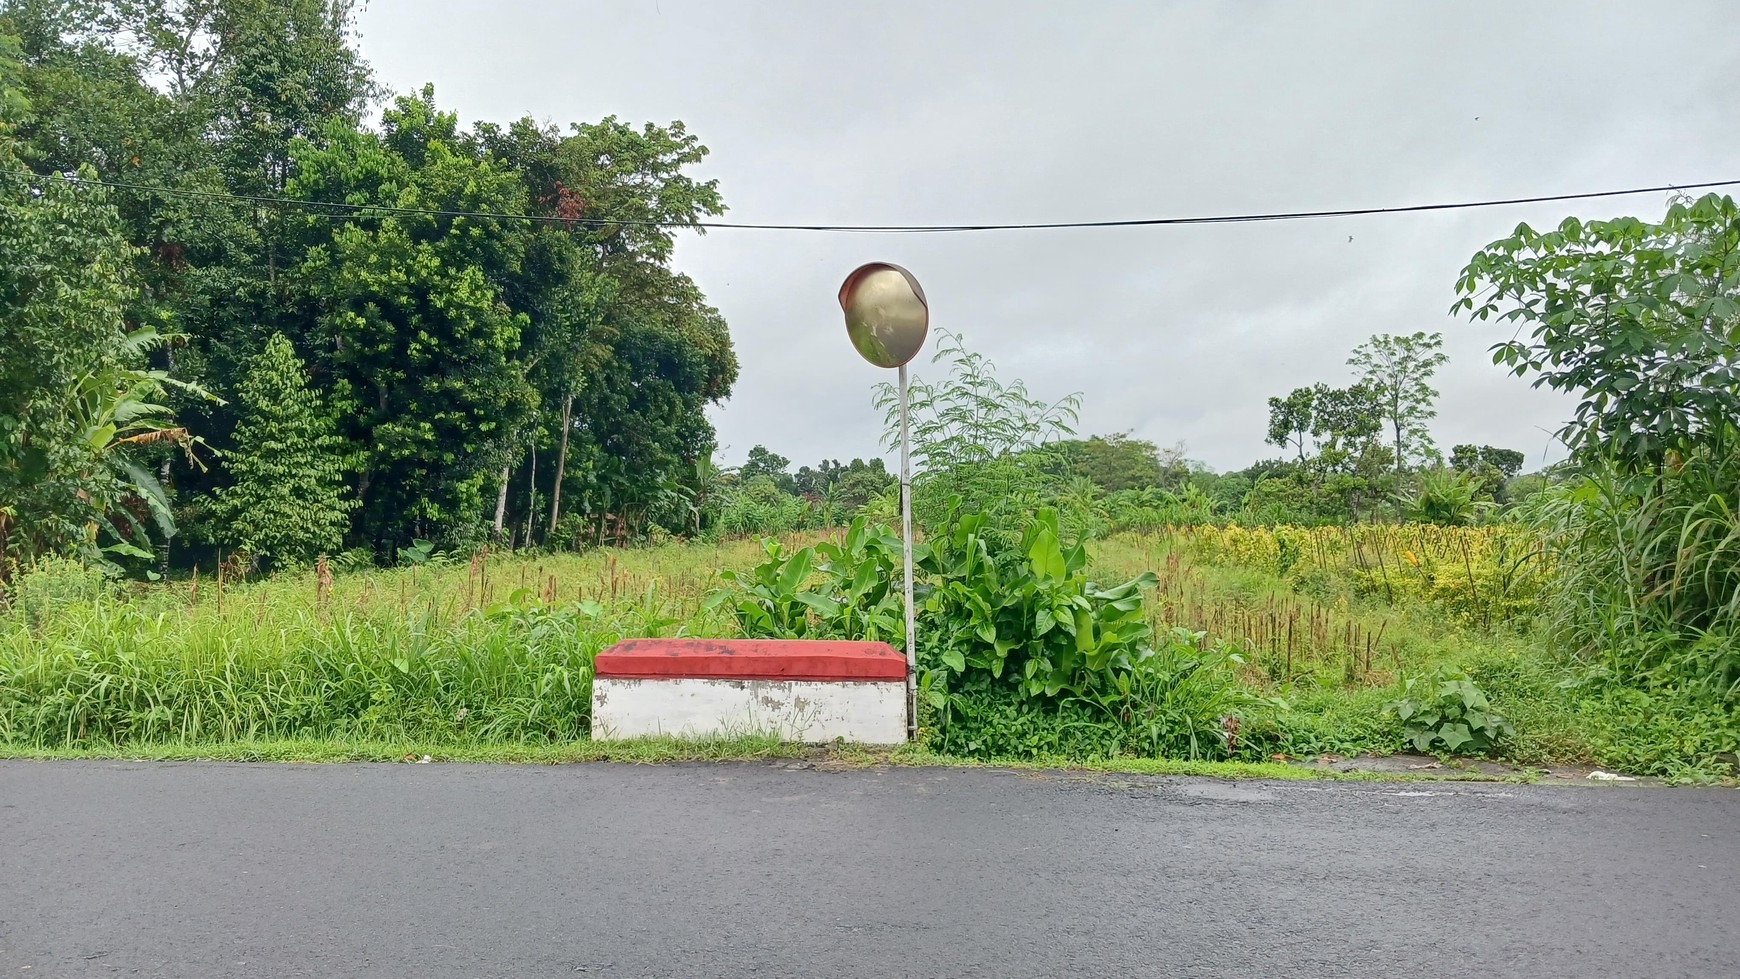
column 990, row 443
column 840, row 590
column 1445, row 497
column 1448, row 708
column 1029, row 612
column 1638, row 319
column 860, row 577
column 420, row 552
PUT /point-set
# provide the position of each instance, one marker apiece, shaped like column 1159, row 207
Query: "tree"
column 79, row 409
column 288, row 499
column 861, row 481
column 1345, row 420
column 412, row 328
column 625, row 351
column 1292, row 418
column 1114, row 462
column 845, row 487
column 762, row 462
column 1490, row 467
column 452, row 352
column 1640, row 320
column 1399, row 370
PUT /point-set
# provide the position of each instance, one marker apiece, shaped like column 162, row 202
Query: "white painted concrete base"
column 811, row 711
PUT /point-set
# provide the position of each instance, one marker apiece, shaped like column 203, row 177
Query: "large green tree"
column 288, row 500
column 1399, row 370
column 1114, row 462
column 419, row 344
column 559, row 349
column 79, row 408
column 625, row 354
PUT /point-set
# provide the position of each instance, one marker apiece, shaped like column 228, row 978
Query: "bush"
column 855, row 597
column 1449, row 709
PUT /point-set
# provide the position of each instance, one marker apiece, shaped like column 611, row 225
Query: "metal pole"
column 906, row 546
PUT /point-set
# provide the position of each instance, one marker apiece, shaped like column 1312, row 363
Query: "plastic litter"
column 1610, row 777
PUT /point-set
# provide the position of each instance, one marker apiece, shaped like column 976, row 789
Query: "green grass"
column 491, row 661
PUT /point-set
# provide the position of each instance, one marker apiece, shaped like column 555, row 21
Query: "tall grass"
column 497, row 649
column 1648, row 579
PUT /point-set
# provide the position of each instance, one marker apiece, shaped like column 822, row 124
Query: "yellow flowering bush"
column 1483, row 575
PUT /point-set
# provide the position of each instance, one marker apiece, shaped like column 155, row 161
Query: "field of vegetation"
column 1249, row 654
column 331, row 427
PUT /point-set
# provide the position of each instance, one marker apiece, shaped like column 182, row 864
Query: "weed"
column 1449, row 709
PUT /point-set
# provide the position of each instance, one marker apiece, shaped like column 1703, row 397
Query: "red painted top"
column 750, row 659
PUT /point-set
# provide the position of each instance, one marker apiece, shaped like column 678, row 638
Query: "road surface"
column 241, row 870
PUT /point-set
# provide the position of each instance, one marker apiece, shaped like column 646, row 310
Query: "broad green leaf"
column 1454, row 735
column 1044, row 556
column 797, row 568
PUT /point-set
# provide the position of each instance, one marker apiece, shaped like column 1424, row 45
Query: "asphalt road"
column 207, row 870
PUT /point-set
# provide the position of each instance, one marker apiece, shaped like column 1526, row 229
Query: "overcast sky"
column 945, row 113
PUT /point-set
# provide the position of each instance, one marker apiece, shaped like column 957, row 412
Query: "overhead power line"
column 335, row 208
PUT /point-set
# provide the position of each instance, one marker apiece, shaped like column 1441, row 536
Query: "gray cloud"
column 1008, row 112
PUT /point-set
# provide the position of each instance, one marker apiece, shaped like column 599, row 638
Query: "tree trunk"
column 532, row 494
column 501, row 502
column 561, row 467
column 1398, row 426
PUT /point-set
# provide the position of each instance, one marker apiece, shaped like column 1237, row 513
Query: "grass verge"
column 670, row 750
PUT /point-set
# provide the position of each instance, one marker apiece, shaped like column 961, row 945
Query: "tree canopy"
column 476, row 373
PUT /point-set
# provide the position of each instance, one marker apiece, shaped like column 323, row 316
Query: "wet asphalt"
column 194, row 870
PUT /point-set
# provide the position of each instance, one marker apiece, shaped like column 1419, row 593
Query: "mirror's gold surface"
column 886, row 314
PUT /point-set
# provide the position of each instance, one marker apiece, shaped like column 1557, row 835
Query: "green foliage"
column 415, row 333
column 759, row 506
column 1006, row 624
column 1648, row 582
column 836, row 490
column 79, row 410
column 1114, row 462
column 1398, row 370
column 1490, row 467
column 1344, row 474
column 1449, row 709
column 989, row 443
column 1151, row 509
column 445, row 349
column 1444, row 496
column 1292, row 418
column 1640, row 320
column 288, row 501
column 761, row 462
column 1029, row 611
column 832, row 590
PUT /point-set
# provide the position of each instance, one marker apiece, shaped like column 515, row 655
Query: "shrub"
column 1449, row 709
column 855, row 596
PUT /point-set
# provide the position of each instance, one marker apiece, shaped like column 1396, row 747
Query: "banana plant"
column 115, row 410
